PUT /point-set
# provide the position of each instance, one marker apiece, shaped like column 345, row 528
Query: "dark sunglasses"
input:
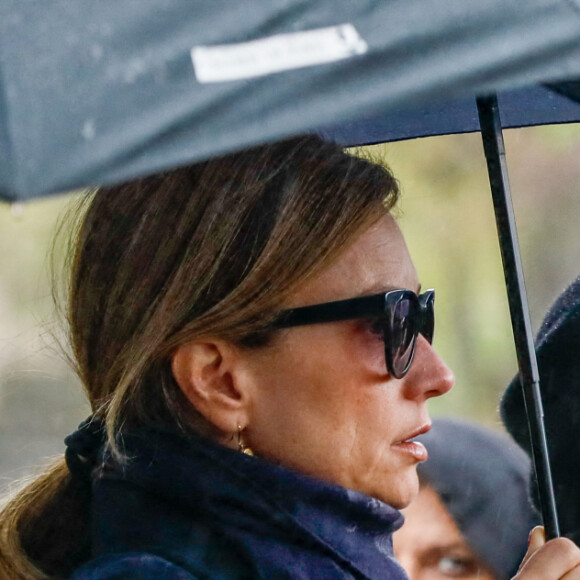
column 400, row 314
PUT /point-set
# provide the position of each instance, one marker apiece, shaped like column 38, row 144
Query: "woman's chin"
column 402, row 502
column 400, row 493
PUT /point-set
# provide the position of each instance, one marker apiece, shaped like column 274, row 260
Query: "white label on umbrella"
column 244, row 60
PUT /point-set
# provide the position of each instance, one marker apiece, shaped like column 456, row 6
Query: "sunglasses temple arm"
column 350, row 309
column 493, row 145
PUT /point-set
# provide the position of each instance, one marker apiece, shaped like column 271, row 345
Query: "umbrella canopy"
column 98, row 92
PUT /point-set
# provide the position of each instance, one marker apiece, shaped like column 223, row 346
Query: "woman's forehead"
column 376, row 261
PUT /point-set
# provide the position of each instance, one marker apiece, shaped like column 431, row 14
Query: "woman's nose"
column 428, row 376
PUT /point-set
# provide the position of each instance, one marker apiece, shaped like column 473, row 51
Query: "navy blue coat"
column 185, row 508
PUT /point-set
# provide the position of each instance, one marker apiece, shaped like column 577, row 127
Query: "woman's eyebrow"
column 377, row 289
column 384, row 288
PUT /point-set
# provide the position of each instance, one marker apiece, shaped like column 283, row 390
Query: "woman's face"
column 430, row 546
column 323, row 403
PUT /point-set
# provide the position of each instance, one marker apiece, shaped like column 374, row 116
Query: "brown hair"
column 206, row 250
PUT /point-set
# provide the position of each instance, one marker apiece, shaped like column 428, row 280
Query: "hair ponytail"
column 43, row 528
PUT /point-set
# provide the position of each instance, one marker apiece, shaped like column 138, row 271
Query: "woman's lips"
column 414, row 449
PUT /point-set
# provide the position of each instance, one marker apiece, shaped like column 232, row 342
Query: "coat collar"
column 260, row 496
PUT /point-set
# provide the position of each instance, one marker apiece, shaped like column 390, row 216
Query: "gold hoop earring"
column 241, row 445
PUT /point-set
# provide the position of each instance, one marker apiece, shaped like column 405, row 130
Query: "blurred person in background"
column 558, row 353
column 472, row 516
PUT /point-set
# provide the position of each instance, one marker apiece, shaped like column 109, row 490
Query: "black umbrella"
column 99, row 92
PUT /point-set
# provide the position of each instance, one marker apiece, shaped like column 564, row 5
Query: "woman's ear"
column 206, row 374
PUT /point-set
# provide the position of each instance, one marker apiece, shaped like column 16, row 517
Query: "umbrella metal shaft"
column 493, row 145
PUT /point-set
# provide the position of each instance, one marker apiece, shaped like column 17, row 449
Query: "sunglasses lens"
column 403, row 334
